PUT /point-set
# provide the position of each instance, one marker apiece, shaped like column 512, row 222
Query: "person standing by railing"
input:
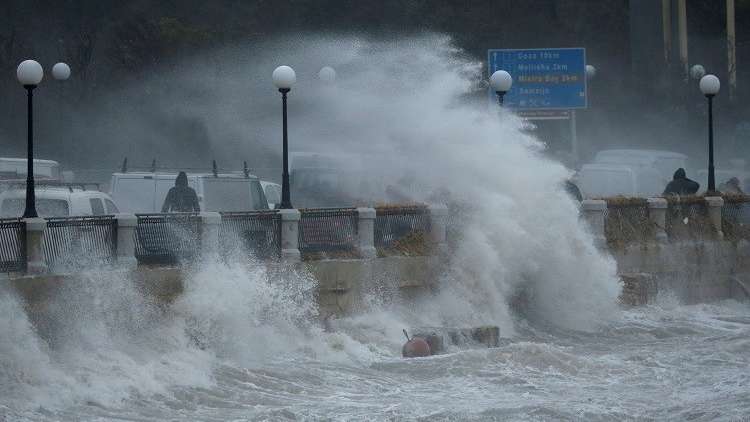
column 681, row 185
column 181, row 198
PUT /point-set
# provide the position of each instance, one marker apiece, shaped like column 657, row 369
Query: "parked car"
column 272, row 192
column 57, row 201
column 605, row 180
column 15, row 168
column 629, row 172
column 144, row 192
column 665, row 162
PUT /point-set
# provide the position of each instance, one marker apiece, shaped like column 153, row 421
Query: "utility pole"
column 682, row 31
column 731, row 51
column 666, row 24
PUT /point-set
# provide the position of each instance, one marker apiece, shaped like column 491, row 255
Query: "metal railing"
column 735, row 217
column 328, row 229
column 167, row 238
column 257, row 232
column 395, row 224
column 12, row 245
column 77, row 242
column 687, row 219
column 626, row 220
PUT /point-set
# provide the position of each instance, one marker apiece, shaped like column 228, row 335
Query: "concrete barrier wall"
column 693, row 270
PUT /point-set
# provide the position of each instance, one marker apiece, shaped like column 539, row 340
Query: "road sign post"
column 548, row 84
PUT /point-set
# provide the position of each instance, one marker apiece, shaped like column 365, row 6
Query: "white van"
column 144, row 192
column 57, row 201
column 272, row 192
column 665, row 162
column 15, row 168
column 606, row 180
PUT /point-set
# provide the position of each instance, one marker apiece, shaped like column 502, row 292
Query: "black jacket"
column 681, row 185
column 181, row 198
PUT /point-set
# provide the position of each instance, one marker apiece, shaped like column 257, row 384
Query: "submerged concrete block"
column 440, row 337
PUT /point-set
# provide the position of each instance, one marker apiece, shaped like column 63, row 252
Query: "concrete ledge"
column 366, row 213
column 126, row 220
column 594, row 205
column 438, row 210
column 35, row 224
column 657, row 203
column 714, row 201
column 212, row 218
column 289, row 215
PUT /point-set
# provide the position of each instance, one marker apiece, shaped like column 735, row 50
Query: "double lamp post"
column 30, row 74
column 284, row 77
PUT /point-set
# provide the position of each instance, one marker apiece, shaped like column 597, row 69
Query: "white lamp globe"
column 29, row 72
column 61, row 71
column 710, row 85
column 501, row 81
column 590, row 71
column 697, row 71
column 327, row 74
column 284, row 77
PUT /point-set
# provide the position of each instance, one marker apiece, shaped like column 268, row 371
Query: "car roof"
column 142, row 174
column 607, row 167
column 23, row 160
column 55, row 192
column 644, row 153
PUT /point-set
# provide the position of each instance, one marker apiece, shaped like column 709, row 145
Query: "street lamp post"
column 327, row 74
column 697, row 71
column 590, row 71
column 29, row 74
column 501, row 81
column 61, row 71
column 284, row 77
column 709, row 86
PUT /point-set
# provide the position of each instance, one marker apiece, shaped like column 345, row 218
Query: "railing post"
column 126, row 224
column 366, row 232
column 290, row 235
column 715, row 204
column 657, row 215
column 438, row 219
column 593, row 212
column 210, row 222
column 35, row 228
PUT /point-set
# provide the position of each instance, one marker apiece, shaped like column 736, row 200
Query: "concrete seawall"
column 692, row 271
column 651, row 257
column 342, row 283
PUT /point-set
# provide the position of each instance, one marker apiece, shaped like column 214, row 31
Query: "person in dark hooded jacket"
column 681, row 185
column 181, row 198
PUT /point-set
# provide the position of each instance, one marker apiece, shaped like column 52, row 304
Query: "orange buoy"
column 415, row 347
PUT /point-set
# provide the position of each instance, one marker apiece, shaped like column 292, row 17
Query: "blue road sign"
column 543, row 79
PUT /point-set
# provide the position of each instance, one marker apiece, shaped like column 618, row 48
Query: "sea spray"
column 401, row 104
column 244, row 312
column 28, row 376
column 405, row 108
column 408, row 109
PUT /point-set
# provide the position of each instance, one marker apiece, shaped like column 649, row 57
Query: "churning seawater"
column 243, row 343
column 661, row 362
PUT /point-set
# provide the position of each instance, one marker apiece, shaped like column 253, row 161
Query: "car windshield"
column 14, row 207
